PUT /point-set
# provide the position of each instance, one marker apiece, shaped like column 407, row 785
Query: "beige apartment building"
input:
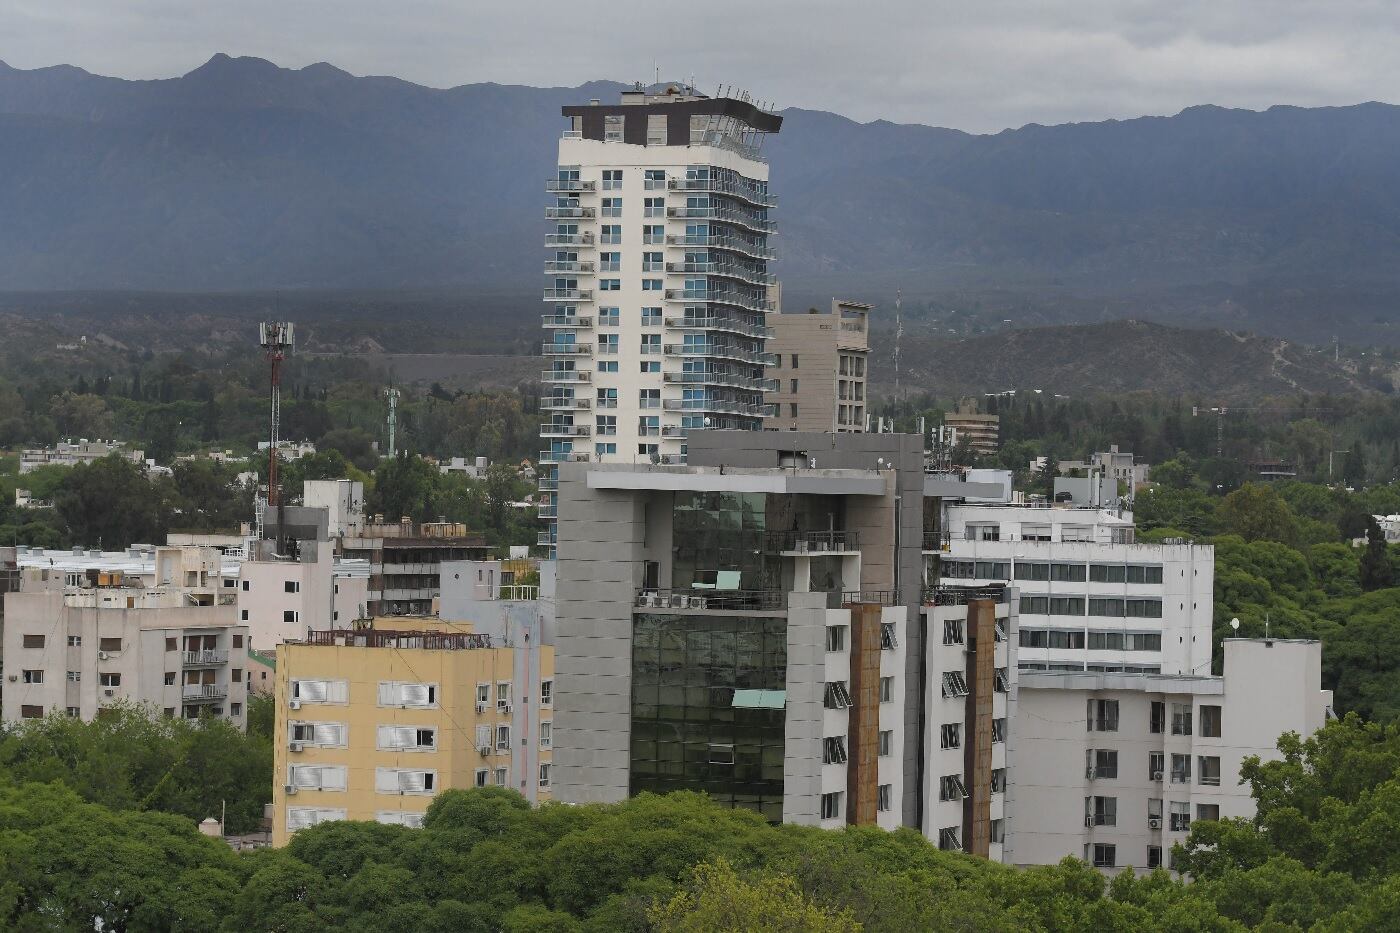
column 820, row 368
column 373, row 722
column 982, row 431
column 163, row 633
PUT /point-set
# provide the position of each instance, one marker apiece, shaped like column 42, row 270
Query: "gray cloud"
column 979, row 65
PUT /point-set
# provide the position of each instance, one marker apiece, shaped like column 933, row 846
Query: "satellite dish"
column 1235, row 624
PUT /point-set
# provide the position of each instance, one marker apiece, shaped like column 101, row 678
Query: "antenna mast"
column 275, row 337
column 392, row 395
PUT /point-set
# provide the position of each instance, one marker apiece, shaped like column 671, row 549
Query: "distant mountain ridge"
column 243, row 175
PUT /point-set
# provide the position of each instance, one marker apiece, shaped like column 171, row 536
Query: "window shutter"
column 414, row 695
column 386, row 780
column 333, row 777
column 483, row 736
column 314, row 691
column 388, row 693
column 329, row 733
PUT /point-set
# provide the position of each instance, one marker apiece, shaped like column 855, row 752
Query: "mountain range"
column 245, row 176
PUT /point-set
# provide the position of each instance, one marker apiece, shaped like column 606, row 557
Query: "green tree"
column 111, row 503
column 1375, row 560
column 405, row 485
column 1256, row 513
column 717, row 900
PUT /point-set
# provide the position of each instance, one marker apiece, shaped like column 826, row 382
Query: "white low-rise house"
column 87, row 630
column 71, row 453
column 1114, row 767
column 459, row 466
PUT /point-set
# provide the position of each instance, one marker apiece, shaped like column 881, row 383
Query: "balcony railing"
column 720, row 186
column 722, row 215
column 723, row 296
column 545, row 539
column 566, row 320
column 719, row 322
column 568, row 239
column 732, row 600
column 555, row 266
column 726, row 406
column 206, row 658
column 566, row 349
column 814, row 542
column 547, row 511
column 731, row 243
column 564, row 456
column 722, row 351
column 732, row 270
column 961, row 595
column 568, row 294
column 673, row 430
column 565, row 430
column 548, row 484
column 937, row 541
column 199, row 693
column 722, row 379
column 565, row 375
column 569, row 184
column 569, row 213
column 560, row 403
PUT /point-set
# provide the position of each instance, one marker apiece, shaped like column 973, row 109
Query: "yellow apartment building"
column 374, row 721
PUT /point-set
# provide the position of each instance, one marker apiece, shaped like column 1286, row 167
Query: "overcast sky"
column 979, row 65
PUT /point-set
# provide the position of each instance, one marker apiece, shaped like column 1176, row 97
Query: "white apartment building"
column 1114, row 767
column 343, row 500
column 658, row 279
column 83, row 633
column 280, row 597
column 71, row 453
column 1090, row 598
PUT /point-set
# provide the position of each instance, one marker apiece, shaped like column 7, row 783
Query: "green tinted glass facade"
column 687, row 733
column 721, row 533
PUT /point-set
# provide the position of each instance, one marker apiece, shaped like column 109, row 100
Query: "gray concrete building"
column 820, row 362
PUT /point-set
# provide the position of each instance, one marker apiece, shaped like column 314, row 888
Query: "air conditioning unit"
column 14, row 677
column 109, row 692
column 698, row 602
column 1156, row 775
column 102, row 655
column 481, row 707
column 504, row 708
column 289, row 788
column 1089, row 773
column 1154, row 823
column 294, row 704
column 484, row 750
column 1089, row 822
column 294, row 746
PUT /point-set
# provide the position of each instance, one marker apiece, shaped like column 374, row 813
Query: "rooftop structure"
column 819, row 366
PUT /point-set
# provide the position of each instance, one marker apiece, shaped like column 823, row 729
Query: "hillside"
column 245, row 176
column 1125, row 356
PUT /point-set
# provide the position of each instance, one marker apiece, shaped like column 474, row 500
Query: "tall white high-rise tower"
column 658, row 279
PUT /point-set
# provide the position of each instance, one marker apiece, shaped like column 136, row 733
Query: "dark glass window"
column 689, row 729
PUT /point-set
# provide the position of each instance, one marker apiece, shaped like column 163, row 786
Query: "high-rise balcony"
column 556, row 266
column 732, row 270
column 568, row 239
column 674, row 430
column 570, row 213
column 565, row 185
column 722, row 406
column 566, row 349
column 564, row 456
column 548, row 484
column 726, row 215
column 732, row 244
column 717, row 322
column 564, row 403
column 205, row 658
column 566, row 320
column 203, row 693
column 752, row 195
column 568, row 294
column 722, row 351
column 546, row 511
column 565, row 375
column 565, row 430
column 733, row 380
column 725, row 296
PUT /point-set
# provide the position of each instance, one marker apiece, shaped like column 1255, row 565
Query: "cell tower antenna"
column 276, row 339
column 392, row 395
column 898, row 335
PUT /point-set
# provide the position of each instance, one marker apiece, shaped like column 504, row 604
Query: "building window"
column 950, row 787
column 170, row 678
column 1103, row 763
column 886, row 743
column 610, row 234
column 33, row 677
column 75, row 677
column 998, row 780
column 482, row 776
column 503, row 696
column 1103, row 715
column 950, row 735
column 407, row 695
column 612, row 207
column 831, row 805
column 1154, row 856
column 608, row 317
column 998, row 830
column 544, row 774
column 1105, row 855
column 1180, row 817
column 1101, row 811
column 503, row 738
column 794, row 361
column 76, row 641
column 109, row 644
column 27, row 711
column 886, row 689
column 546, row 692
column 610, row 285
column 1209, row 766
column 1181, row 719
column 1207, row 811
column 1210, row 722
column 650, row 366
column 884, row 797
column 834, row 750
column 837, row 695
column 291, row 586
column 1181, row 769
column 33, row 641
column 954, row 684
column 948, row 839
column 1159, row 718
column 607, row 366
column 245, row 586
column 546, row 733
column 651, row 317
column 603, row 450
column 836, row 638
column 407, row 738
column 612, row 179
column 952, row 631
column 500, row 777
column 1156, row 765
column 73, row 712
column 999, row 730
